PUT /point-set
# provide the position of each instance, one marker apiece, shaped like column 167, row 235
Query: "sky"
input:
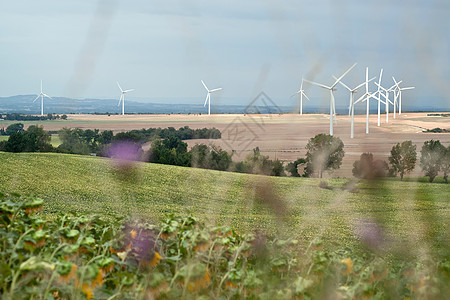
column 162, row 49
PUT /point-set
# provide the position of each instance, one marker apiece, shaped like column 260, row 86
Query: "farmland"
column 408, row 211
column 279, row 136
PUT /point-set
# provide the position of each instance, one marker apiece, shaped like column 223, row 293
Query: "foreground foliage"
column 89, row 256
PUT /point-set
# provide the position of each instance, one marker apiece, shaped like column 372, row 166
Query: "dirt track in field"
column 282, row 136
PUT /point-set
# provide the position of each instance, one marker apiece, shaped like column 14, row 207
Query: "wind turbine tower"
column 301, row 91
column 208, row 97
column 331, row 89
column 366, row 97
column 122, row 97
column 42, row 95
column 399, row 89
column 352, row 106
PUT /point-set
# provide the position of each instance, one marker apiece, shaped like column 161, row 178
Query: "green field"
column 408, row 212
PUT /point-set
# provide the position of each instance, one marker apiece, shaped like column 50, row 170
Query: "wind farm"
column 251, row 150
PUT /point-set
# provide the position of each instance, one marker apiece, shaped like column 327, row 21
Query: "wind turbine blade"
column 408, row 88
column 120, row 100
column 215, row 90
column 381, row 75
column 36, row 98
column 318, row 84
column 45, row 95
column 379, row 86
column 306, row 96
column 119, row 86
column 130, row 90
column 204, row 85
column 342, row 76
column 362, row 84
column 392, row 88
column 206, row 100
column 296, row 93
column 344, row 85
column 362, row 98
column 301, row 85
column 396, row 83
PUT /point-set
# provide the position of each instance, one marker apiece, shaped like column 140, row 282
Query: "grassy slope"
column 408, row 211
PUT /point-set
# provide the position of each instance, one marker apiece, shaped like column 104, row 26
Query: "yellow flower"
column 133, row 234
column 98, row 281
column 86, row 288
column 348, row 262
column 153, row 262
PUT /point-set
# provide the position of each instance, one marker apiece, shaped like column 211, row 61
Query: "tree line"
column 22, row 117
column 324, row 152
column 84, row 142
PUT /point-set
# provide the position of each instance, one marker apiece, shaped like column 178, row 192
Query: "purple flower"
column 124, row 151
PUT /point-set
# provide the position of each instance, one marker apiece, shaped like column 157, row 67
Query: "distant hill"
column 62, row 105
column 262, row 104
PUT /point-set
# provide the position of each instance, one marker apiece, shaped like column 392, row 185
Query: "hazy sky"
column 163, row 48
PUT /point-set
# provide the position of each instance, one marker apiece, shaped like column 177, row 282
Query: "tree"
column 278, row 168
column 292, row 167
column 170, row 151
column 446, row 164
column 368, row 168
column 325, row 152
column 206, row 157
column 64, row 117
column 403, row 158
column 16, row 142
column 431, row 157
column 34, row 139
column 258, row 163
column 13, row 128
column 38, row 140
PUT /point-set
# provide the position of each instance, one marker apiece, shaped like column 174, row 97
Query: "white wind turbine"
column 301, row 91
column 386, row 98
column 351, row 108
column 399, row 91
column 42, row 95
column 208, row 97
column 376, row 95
column 366, row 97
column 122, row 97
column 331, row 89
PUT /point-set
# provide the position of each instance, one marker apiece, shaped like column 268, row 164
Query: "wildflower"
column 133, row 234
column 87, row 290
column 348, row 262
column 155, row 261
column 98, row 281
